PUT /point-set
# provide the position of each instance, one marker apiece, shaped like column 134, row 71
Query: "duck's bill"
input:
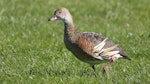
column 52, row 18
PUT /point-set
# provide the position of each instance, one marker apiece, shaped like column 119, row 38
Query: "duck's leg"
column 93, row 67
column 107, row 66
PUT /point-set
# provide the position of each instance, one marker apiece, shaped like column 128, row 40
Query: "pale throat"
column 69, row 26
column 68, row 19
column 68, row 23
column 70, row 30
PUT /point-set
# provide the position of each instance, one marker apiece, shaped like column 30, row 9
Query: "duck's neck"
column 70, row 32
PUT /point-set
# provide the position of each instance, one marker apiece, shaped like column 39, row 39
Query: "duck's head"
column 62, row 14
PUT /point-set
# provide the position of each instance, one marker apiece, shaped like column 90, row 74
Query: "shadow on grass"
column 67, row 72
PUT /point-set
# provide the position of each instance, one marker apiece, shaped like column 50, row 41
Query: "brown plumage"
column 88, row 47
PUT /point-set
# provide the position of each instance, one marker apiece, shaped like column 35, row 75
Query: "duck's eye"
column 59, row 12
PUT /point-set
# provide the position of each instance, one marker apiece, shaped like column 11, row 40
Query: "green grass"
column 32, row 49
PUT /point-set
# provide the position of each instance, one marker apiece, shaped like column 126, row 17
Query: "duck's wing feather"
column 99, row 47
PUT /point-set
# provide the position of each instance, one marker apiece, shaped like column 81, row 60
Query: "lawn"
column 32, row 49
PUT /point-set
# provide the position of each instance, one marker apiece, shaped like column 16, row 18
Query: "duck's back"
column 95, row 39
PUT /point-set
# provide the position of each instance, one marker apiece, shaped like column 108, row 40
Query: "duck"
column 88, row 47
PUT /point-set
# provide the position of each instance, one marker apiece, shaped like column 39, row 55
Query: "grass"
column 32, row 49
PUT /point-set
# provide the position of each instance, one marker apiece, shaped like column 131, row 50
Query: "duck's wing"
column 99, row 47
